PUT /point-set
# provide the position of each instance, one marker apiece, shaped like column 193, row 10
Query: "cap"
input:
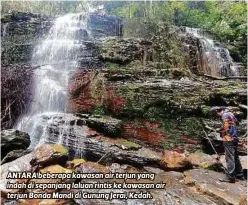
column 217, row 108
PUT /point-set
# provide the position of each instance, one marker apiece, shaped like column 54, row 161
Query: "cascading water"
column 57, row 57
column 4, row 33
column 215, row 59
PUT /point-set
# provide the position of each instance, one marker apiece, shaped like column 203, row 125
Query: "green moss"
column 112, row 66
column 206, row 110
column 99, row 111
column 225, row 91
column 239, row 85
column 76, row 162
column 60, row 149
column 190, row 127
column 55, row 169
column 188, row 97
column 98, row 89
column 127, row 143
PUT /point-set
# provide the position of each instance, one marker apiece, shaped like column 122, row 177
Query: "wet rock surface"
column 20, row 32
column 83, row 141
column 13, row 140
column 105, row 25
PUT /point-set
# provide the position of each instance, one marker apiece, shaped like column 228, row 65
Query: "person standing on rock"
column 230, row 143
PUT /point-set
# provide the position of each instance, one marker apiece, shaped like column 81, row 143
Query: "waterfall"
column 57, row 58
column 215, row 58
column 4, row 32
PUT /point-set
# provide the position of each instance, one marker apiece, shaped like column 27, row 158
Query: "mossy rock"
column 97, row 167
column 75, row 163
column 55, row 169
column 48, row 154
column 128, row 144
column 60, row 149
column 225, row 91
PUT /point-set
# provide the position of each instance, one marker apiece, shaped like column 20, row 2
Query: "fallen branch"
column 103, row 157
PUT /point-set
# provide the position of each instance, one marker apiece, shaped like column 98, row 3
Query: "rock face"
column 105, row 25
column 159, row 106
column 20, row 32
column 207, row 182
column 81, row 140
column 126, row 50
column 203, row 52
column 13, row 140
column 106, row 125
column 175, row 160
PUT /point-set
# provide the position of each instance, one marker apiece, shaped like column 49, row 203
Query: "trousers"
column 234, row 167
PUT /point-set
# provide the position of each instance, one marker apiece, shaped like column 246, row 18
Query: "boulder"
column 74, row 163
column 104, row 124
column 21, row 164
column 13, row 140
column 12, row 155
column 55, row 169
column 206, row 182
column 175, row 160
column 202, row 160
column 92, row 167
column 48, row 154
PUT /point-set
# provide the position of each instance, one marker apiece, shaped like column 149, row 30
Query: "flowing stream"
column 215, row 58
column 57, row 57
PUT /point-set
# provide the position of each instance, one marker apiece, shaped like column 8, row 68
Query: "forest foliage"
column 225, row 20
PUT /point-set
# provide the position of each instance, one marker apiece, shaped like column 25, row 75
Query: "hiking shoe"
column 241, row 177
column 226, row 179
